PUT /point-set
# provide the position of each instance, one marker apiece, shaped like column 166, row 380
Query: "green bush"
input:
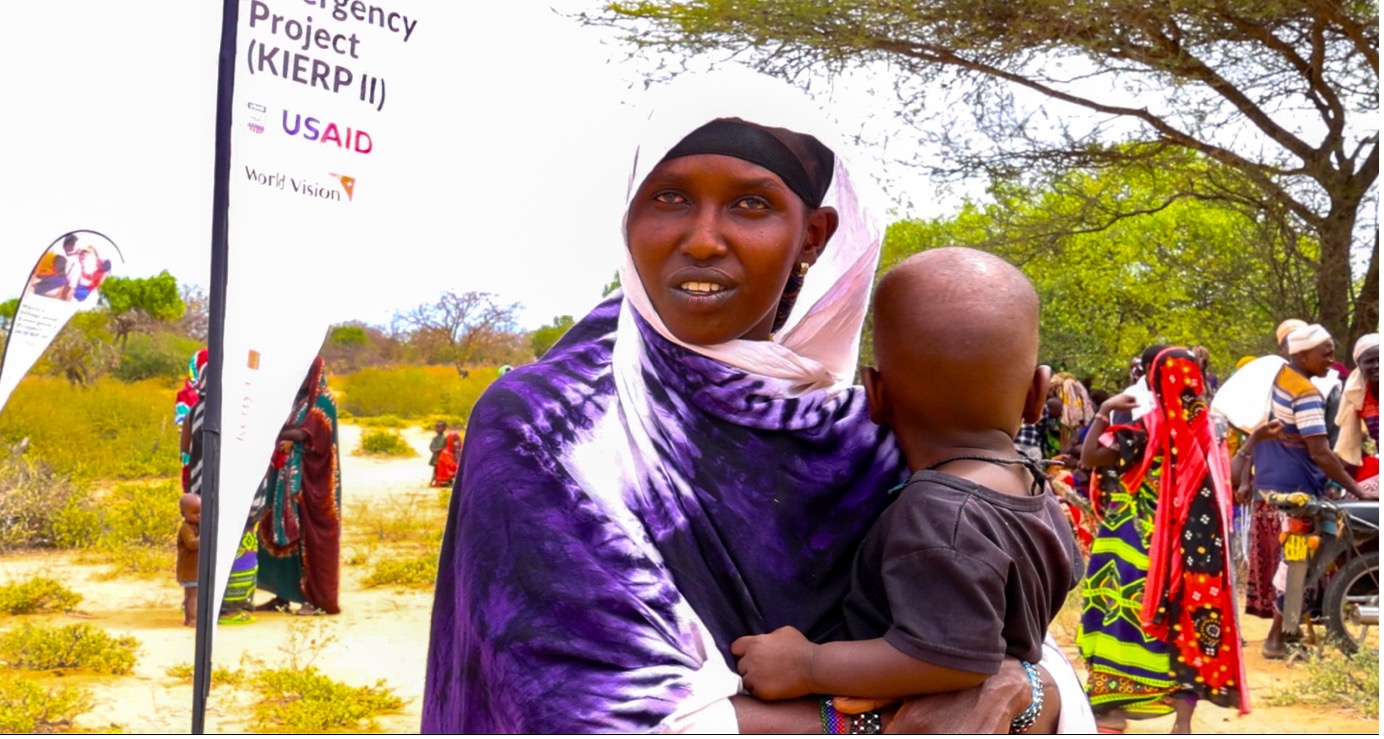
column 30, row 497
column 29, row 708
column 384, row 443
column 413, row 392
column 307, row 701
column 106, row 430
column 1334, row 681
column 37, row 594
column 135, row 526
column 163, row 356
column 73, row 646
column 402, row 518
column 414, row 572
column 219, row 675
column 386, row 421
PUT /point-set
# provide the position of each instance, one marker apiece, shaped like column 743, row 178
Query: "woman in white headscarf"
column 1358, row 415
column 690, row 463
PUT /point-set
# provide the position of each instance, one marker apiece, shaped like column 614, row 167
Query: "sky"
column 515, row 162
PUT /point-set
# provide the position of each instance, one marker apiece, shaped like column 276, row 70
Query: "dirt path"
column 381, row 633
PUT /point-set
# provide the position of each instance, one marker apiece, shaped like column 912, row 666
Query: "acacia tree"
column 136, row 303
column 1192, row 272
column 464, row 327
column 1283, row 93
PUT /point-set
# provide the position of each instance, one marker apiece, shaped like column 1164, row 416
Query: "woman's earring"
column 802, row 269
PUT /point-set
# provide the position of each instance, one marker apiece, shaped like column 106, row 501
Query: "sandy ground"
column 382, row 634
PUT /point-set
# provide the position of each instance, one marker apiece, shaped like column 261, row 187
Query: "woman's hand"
column 1121, row 402
column 777, row 665
column 293, row 434
column 986, row 709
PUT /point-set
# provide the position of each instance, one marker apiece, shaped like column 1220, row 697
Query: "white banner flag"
column 66, row 279
column 311, row 139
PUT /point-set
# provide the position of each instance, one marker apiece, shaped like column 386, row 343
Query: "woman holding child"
column 689, row 464
column 1158, row 627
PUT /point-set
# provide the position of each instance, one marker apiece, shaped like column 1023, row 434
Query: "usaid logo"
column 311, row 128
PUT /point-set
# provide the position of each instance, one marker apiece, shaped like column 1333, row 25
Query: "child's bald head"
column 956, row 341
column 191, row 507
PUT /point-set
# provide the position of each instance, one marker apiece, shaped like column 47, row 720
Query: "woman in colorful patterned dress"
column 1158, row 623
column 300, row 533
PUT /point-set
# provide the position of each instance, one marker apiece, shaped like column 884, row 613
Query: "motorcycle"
column 1336, row 542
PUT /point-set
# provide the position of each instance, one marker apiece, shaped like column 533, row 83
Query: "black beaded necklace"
column 1039, row 475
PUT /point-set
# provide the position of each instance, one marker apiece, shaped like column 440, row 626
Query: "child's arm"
column 784, row 664
column 191, row 537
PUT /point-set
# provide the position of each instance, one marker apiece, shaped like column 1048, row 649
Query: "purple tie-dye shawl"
column 566, row 590
column 630, row 505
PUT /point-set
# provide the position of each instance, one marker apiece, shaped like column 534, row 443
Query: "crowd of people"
column 290, row 545
column 1163, row 470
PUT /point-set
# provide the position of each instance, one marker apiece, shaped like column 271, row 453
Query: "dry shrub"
column 29, row 708
column 1331, row 680
column 219, row 675
column 134, row 526
column 384, row 443
column 73, row 646
column 37, row 594
column 30, row 495
column 307, row 701
column 414, row 572
column 106, row 430
column 413, row 392
column 402, row 518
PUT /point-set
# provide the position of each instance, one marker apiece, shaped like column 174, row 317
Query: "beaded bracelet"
column 835, row 722
column 1025, row 721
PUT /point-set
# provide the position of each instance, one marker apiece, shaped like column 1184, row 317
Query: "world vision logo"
column 302, row 186
column 347, row 183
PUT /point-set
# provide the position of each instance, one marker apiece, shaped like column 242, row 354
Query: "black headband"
column 806, row 172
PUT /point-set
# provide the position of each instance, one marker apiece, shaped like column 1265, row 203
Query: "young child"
column 972, row 561
column 189, row 536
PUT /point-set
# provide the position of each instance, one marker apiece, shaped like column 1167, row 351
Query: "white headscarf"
column 1362, row 345
column 1307, row 338
column 819, row 344
column 1352, row 435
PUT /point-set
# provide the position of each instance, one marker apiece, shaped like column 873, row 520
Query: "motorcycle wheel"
column 1356, row 581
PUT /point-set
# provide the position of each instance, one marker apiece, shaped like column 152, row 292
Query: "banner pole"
column 216, row 343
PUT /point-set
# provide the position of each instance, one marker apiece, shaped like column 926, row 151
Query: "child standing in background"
column 189, row 536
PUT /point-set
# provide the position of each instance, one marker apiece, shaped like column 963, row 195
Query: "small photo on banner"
column 71, row 269
column 66, row 278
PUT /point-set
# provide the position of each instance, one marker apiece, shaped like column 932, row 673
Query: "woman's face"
column 1369, row 367
column 714, row 239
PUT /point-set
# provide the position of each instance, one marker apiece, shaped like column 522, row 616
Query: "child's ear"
column 1037, row 394
column 875, row 398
